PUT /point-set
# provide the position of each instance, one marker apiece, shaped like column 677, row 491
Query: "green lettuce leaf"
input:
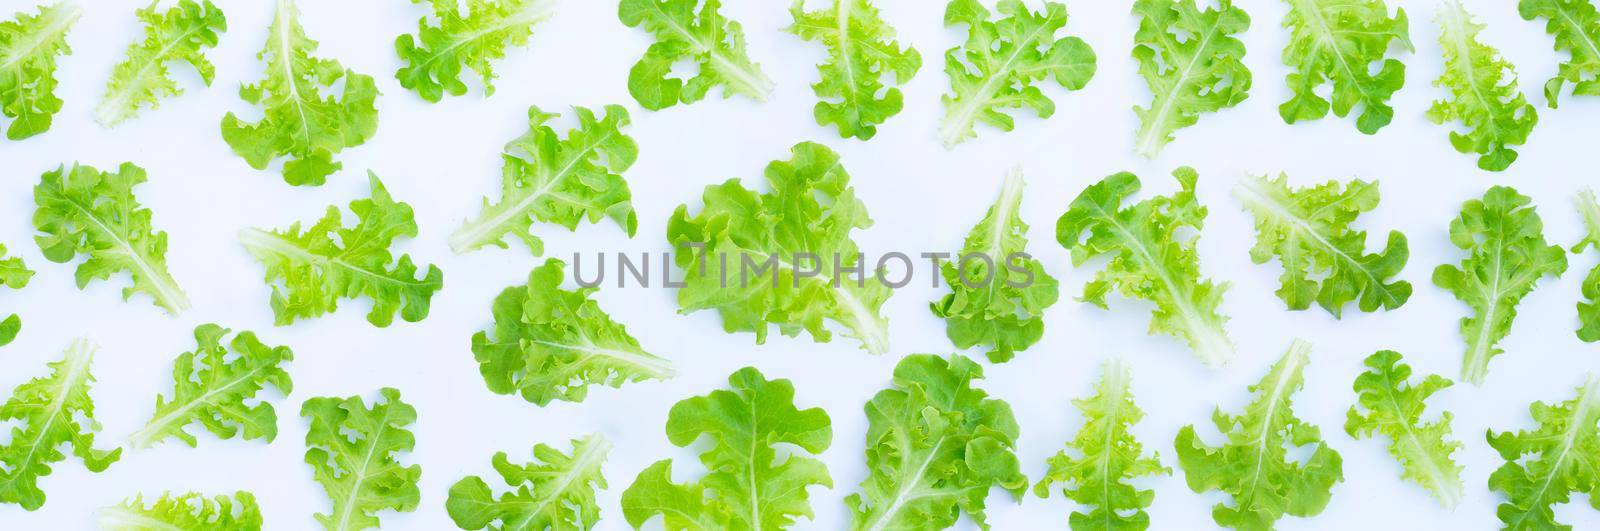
column 310, row 269
column 1002, row 60
column 353, row 450
column 1575, row 24
column 29, row 45
column 764, row 259
column 1324, row 260
column 1105, row 458
column 554, row 180
column 935, row 447
column 1336, row 42
column 299, row 122
column 1484, row 100
column 182, row 34
column 1589, row 308
column 552, row 344
column 9, row 328
column 1387, row 404
column 747, row 486
column 215, row 386
column 1253, row 466
column 1508, row 256
column 555, row 491
column 997, row 300
column 90, row 212
column 861, row 52
column 1193, row 62
column 438, row 53
column 15, row 275
column 49, row 412
column 184, row 512
column 1544, row 466
column 1151, row 246
column 714, row 44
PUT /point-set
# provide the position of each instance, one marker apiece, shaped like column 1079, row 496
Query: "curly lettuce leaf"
column 438, row 53
column 565, row 181
column 1104, row 458
column 90, row 212
column 1002, row 60
column 1388, row 404
column 1545, row 465
column 182, row 34
column 555, row 491
column 1589, row 308
column 215, row 386
column 29, row 45
column 861, row 52
column 184, row 512
column 1253, row 465
column 1483, row 100
column 310, row 269
column 1151, row 246
column 714, row 44
column 1336, row 42
column 353, row 451
column 45, row 414
column 1193, row 62
column 997, row 299
column 1507, row 256
column 747, row 486
column 1324, row 260
column 1575, row 25
column 764, row 259
column 298, row 121
column 15, row 275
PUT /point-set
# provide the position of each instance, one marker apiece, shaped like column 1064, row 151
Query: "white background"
column 442, row 158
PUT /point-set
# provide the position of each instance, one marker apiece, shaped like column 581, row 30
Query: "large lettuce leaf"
column 1193, row 62
column 470, row 36
column 354, row 454
column 1546, row 465
column 1388, row 404
column 861, row 52
column 1104, row 458
column 1575, row 24
column 1336, row 42
column 215, row 386
column 182, row 34
column 710, row 41
column 1483, row 92
column 45, row 415
column 1002, row 60
column 29, row 45
column 555, row 491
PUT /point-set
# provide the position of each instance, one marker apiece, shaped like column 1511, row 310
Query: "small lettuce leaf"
column 552, row 344
column 1253, row 465
column 555, row 491
column 1193, row 62
column 1507, row 256
column 861, row 52
column 1104, row 459
column 1151, row 246
column 1589, row 308
column 215, row 386
column 1388, row 404
column 299, row 122
column 782, row 258
column 9, row 328
column 15, row 275
column 713, row 43
column 182, row 34
column 45, row 414
column 353, row 450
column 185, row 512
column 565, row 181
column 935, row 447
column 1575, row 24
column 998, row 297
column 310, row 269
column 438, row 53
column 1544, row 466
column 90, row 212
column 29, row 45
column 747, row 486
column 1000, row 62
column 1335, row 42
column 1483, row 99
column 1324, row 260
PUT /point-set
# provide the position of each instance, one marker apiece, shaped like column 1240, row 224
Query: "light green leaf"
column 861, row 52
column 1193, row 62
column 1484, row 100
column 184, row 512
column 1589, row 307
column 9, row 328
column 1575, row 24
column 474, row 40
column 1105, row 458
column 1387, row 404
column 1001, row 62
column 182, row 34
column 216, row 386
column 554, row 491
column 47, row 413
column 29, row 45
column 713, row 43
column 1336, row 42
column 1544, row 466
column 353, row 450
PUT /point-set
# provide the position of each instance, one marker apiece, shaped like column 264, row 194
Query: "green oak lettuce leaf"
column 1575, row 25
column 1324, row 260
column 353, row 451
column 216, row 387
column 713, row 43
column 1001, row 62
column 1151, row 246
column 1193, row 62
column 1104, row 458
column 1545, row 465
column 15, row 275
column 997, row 300
column 554, row 491
column 811, row 209
column 1253, row 465
column 473, row 40
column 861, row 53
column 746, row 485
column 182, row 34
column 1336, row 42
column 86, row 211
column 1388, row 404
column 935, row 447
column 311, row 268
column 298, row 121
column 552, row 344
column 29, row 46
column 1507, row 255
column 554, row 180
column 1483, row 93
column 45, row 414
column 184, row 512
column 1589, row 308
